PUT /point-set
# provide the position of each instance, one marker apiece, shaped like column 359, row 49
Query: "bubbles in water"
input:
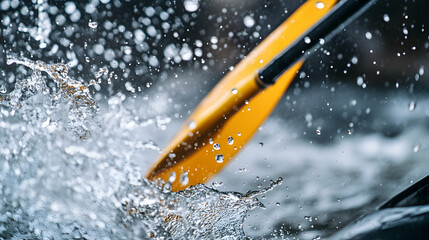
column 234, row 91
column 248, row 21
column 261, row 144
column 219, row 158
column 416, row 148
column 184, row 179
column 412, row 105
column 318, row 132
column 320, row 5
column 230, row 140
column 216, row 146
column 191, row 5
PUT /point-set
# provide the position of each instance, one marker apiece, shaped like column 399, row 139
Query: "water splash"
column 75, row 94
column 43, row 27
column 198, row 211
column 55, row 186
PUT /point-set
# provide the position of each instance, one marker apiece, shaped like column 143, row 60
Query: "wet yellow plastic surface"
column 224, row 113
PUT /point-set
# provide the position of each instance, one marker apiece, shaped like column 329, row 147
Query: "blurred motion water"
column 91, row 91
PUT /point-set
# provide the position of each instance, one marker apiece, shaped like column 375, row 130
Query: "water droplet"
column 10, row 60
column 234, row 91
column 308, row 218
column 318, row 132
column 46, row 122
column 167, row 187
column 184, row 179
column 219, row 158
column 172, row 177
column 261, row 144
column 316, row 238
column 277, row 203
column 239, row 134
column 191, row 5
column 214, row 40
column 248, row 21
column 216, row 146
column 368, row 35
column 320, row 5
column 3, row 89
column 87, row 59
column 386, row 18
column 307, row 40
column 338, row 199
column 359, row 81
column 412, row 105
column 192, row 125
column 421, row 70
column 416, row 148
column 217, row 184
column 43, row 44
column 230, row 140
column 211, row 141
column 92, row 24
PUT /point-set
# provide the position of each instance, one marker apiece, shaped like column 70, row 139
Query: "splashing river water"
column 58, row 181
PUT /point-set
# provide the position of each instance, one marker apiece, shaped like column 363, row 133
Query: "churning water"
column 65, row 175
column 88, row 90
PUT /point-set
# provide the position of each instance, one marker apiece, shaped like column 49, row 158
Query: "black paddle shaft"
column 342, row 13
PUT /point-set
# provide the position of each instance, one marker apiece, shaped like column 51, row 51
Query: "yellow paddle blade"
column 232, row 112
